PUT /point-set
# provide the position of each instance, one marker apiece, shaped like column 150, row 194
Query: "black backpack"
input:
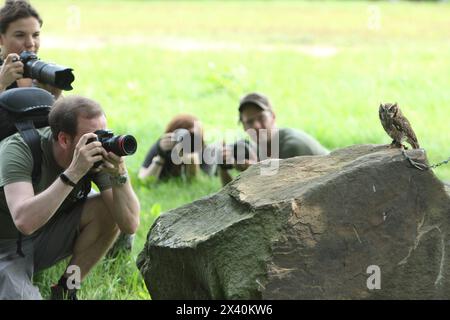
column 24, row 110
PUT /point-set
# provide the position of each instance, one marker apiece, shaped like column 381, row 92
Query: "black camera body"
column 124, row 145
column 48, row 73
column 240, row 148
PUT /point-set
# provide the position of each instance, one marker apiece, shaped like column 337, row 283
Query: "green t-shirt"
column 293, row 143
column 16, row 165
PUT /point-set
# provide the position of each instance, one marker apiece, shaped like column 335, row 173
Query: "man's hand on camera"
column 11, row 70
column 227, row 159
column 112, row 164
column 247, row 162
column 84, row 157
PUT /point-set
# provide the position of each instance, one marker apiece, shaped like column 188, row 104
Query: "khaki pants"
column 52, row 243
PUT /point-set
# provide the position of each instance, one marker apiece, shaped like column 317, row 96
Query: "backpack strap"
column 32, row 138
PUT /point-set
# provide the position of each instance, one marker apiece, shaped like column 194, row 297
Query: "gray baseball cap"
column 257, row 99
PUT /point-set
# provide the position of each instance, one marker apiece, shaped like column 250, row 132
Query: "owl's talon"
column 396, row 145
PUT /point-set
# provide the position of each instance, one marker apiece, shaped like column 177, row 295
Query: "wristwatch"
column 66, row 180
column 120, row 179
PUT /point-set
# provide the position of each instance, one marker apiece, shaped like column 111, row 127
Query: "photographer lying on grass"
column 183, row 131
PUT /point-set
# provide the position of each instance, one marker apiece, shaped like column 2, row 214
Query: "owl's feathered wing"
column 402, row 124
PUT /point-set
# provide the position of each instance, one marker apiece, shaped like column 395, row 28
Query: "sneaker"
column 59, row 293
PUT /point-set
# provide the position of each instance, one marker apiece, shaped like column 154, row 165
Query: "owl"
column 397, row 126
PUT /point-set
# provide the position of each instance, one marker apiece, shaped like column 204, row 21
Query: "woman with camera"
column 179, row 151
column 20, row 27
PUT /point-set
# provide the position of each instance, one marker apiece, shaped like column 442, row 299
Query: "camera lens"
column 120, row 145
column 58, row 76
column 49, row 73
column 127, row 144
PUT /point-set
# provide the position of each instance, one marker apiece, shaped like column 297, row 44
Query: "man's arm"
column 121, row 200
column 30, row 211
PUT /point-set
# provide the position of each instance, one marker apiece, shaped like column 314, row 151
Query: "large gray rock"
column 311, row 231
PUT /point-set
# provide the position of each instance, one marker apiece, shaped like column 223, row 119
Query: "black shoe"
column 59, row 293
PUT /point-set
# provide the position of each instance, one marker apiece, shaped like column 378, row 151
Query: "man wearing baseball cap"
column 266, row 140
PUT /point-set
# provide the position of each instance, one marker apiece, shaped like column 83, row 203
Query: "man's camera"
column 241, row 152
column 44, row 72
column 124, row 145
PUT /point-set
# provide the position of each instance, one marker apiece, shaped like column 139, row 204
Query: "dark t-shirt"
column 169, row 169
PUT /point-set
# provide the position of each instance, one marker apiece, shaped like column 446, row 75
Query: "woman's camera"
column 188, row 139
column 44, row 72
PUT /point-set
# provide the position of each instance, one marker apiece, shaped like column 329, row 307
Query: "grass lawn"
column 325, row 65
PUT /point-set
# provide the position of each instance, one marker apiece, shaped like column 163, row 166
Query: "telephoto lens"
column 44, row 72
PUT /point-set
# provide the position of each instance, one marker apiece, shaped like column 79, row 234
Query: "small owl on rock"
column 397, row 126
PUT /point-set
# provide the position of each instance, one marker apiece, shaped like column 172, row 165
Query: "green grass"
column 145, row 61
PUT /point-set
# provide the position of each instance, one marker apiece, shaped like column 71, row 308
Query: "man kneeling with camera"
column 54, row 216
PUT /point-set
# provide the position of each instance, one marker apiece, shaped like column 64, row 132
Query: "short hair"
column 14, row 10
column 65, row 112
column 254, row 99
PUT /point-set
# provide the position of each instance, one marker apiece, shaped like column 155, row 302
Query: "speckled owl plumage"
column 397, row 126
